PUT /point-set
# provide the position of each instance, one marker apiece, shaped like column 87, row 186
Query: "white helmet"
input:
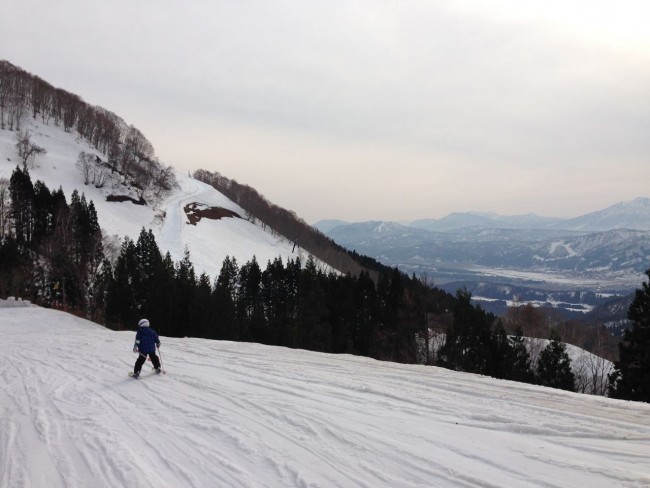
column 143, row 323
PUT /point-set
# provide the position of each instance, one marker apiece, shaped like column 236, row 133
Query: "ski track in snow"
column 246, row 415
column 172, row 229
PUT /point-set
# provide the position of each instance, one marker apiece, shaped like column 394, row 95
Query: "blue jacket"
column 146, row 340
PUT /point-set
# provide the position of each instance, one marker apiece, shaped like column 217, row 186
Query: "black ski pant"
column 142, row 358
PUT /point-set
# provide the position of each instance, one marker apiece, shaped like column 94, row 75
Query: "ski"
column 153, row 373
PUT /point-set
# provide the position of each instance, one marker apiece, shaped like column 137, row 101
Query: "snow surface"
column 245, row 415
column 209, row 242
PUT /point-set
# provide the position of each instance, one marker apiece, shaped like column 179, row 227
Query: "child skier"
column 146, row 342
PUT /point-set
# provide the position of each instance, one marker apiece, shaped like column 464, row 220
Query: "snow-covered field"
column 246, row 415
column 209, row 242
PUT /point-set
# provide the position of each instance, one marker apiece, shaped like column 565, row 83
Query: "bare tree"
column 137, row 144
column 41, row 99
column 599, row 367
column 535, row 346
column 28, row 150
column 100, row 175
column 15, row 111
column 581, row 373
column 85, row 163
column 164, row 179
column 93, row 170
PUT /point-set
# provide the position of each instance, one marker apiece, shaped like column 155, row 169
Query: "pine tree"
column 631, row 377
column 501, row 354
column 468, row 341
column 250, row 309
column 225, row 293
column 121, row 306
column 521, row 363
column 43, row 211
column 154, row 284
column 314, row 331
column 15, row 276
column 554, row 365
column 274, row 299
column 366, row 306
column 184, row 287
column 202, row 310
column 21, row 191
column 339, row 296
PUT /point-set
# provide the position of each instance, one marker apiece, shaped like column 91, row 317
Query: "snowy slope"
column 245, row 415
column 209, row 242
column 633, row 214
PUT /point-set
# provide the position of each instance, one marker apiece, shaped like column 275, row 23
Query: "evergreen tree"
column 250, row 308
column 274, row 298
column 630, row 379
column 291, row 334
column 15, row 275
column 501, row 354
column 339, row 296
column 554, row 365
column 166, row 297
column 225, row 296
column 86, row 250
column 314, row 331
column 121, row 307
column 21, row 191
column 184, row 287
column 202, row 310
column 43, row 211
column 521, row 363
column 390, row 293
column 467, row 345
column 154, row 283
column 99, row 293
column 366, row 306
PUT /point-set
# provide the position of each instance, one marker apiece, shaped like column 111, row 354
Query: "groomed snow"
column 246, row 415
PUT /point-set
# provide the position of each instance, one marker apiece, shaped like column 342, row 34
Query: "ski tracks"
column 171, row 233
column 246, row 416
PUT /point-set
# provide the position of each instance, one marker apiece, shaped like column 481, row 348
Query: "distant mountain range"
column 600, row 254
column 633, row 214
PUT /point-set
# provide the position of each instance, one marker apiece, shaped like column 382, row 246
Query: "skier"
column 146, row 343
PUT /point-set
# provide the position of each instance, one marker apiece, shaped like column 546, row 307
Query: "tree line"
column 50, row 250
column 129, row 153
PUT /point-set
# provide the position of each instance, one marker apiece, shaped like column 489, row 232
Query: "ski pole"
column 161, row 364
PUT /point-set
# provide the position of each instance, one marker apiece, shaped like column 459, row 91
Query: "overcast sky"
column 359, row 109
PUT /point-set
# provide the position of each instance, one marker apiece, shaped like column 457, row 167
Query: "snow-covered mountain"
column 247, row 415
column 608, row 256
column 326, row 225
column 209, row 240
column 569, row 270
column 460, row 220
column 634, row 214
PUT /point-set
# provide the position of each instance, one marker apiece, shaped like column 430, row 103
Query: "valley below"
column 570, row 271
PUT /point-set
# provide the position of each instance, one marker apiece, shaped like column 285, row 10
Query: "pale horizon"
column 368, row 110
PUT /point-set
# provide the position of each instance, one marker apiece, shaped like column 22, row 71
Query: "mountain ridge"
column 630, row 214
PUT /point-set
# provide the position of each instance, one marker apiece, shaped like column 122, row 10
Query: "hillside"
column 208, row 240
column 246, row 415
